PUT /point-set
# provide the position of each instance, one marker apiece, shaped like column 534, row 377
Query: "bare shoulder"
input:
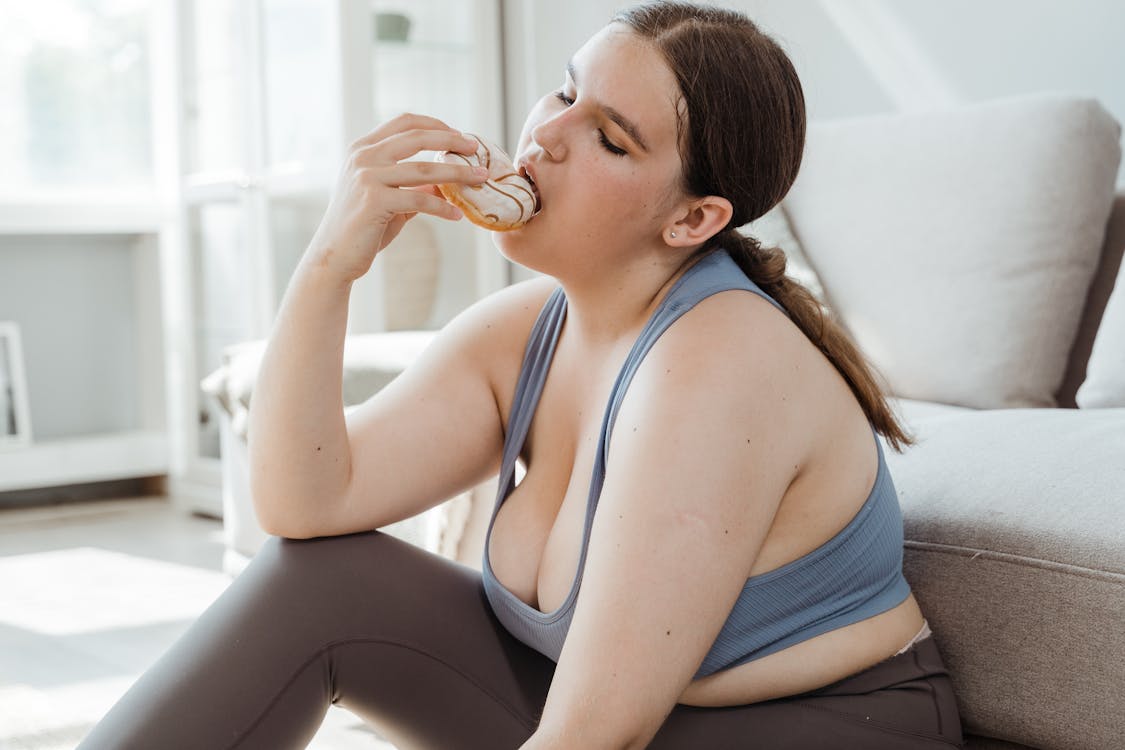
column 519, row 304
column 737, row 334
column 740, row 361
column 505, row 319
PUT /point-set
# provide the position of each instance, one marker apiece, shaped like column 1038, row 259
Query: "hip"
column 904, row 701
column 812, row 663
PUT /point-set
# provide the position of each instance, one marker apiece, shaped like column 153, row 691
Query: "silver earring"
column 672, row 234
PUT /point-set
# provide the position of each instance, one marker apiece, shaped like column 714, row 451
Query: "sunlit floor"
column 93, row 593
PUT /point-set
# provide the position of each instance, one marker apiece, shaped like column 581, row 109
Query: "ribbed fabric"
column 855, row 575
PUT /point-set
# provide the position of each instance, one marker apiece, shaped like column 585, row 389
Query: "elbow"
column 285, row 532
column 286, row 512
column 274, row 522
column 274, row 513
column 273, row 527
column 288, row 528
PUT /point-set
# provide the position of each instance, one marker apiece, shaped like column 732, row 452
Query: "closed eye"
column 601, row 134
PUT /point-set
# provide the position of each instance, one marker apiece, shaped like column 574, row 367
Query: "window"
column 74, row 101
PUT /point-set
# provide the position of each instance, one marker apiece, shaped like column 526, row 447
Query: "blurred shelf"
column 82, row 213
column 88, row 458
column 288, row 180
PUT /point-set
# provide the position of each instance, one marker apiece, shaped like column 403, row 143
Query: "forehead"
column 618, row 69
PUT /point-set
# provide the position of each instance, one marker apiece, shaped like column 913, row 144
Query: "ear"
column 701, row 219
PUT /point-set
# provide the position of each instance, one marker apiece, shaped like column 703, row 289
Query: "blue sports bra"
column 853, row 576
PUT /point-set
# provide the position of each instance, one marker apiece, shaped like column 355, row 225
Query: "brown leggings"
column 406, row 640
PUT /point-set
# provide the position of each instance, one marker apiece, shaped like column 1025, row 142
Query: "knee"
column 364, row 559
column 326, row 554
column 311, row 567
column 283, row 547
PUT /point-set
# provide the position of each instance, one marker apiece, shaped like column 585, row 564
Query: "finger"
column 419, row 201
column 417, row 173
column 400, row 146
column 405, row 121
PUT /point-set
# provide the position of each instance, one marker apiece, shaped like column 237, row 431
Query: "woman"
column 741, row 582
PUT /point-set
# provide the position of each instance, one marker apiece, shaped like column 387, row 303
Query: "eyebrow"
column 622, row 121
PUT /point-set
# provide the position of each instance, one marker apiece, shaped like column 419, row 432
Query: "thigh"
column 442, row 672
column 409, row 641
column 400, row 636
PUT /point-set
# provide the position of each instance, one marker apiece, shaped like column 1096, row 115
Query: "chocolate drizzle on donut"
column 500, row 185
column 517, row 188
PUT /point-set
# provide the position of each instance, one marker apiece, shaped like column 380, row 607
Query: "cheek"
column 632, row 194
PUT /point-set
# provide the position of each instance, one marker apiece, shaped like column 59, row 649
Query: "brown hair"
column 743, row 139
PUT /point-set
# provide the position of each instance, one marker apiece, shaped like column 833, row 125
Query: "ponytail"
column 742, row 136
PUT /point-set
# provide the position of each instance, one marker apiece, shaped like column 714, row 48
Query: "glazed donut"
column 506, row 201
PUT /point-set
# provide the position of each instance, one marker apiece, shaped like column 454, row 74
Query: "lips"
column 525, row 171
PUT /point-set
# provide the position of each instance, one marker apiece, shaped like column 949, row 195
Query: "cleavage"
column 540, row 523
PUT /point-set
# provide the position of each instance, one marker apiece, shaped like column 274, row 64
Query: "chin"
column 512, row 248
column 512, row 243
column 519, row 248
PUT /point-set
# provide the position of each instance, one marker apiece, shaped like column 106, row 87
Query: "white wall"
column 81, row 330
column 858, row 57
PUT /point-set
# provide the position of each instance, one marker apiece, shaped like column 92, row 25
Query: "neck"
column 606, row 307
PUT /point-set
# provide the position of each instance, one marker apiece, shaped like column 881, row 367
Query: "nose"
column 548, row 135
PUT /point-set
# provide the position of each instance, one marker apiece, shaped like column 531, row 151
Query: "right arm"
column 298, row 446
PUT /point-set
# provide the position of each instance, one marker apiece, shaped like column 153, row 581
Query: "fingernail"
column 480, row 171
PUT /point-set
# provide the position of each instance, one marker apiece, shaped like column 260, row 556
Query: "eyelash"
column 601, row 135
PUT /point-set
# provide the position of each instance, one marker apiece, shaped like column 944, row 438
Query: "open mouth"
column 534, row 189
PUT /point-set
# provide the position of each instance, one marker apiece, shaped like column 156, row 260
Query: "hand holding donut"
column 377, row 192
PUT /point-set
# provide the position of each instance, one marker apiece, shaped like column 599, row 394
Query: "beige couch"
column 972, row 254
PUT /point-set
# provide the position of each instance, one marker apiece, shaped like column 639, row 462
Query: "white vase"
column 412, row 264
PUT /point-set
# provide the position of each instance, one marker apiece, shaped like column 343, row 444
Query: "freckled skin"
column 592, row 220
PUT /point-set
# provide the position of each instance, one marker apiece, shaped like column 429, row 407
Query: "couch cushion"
column 1015, row 548
column 911, row 410
column 1105, row 373
column 957, row 245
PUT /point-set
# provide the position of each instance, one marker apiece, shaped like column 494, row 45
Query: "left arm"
column 700, row 458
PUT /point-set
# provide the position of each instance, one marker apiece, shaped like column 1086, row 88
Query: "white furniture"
column 86, row 222
column 84, row 279
column 252, row 108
